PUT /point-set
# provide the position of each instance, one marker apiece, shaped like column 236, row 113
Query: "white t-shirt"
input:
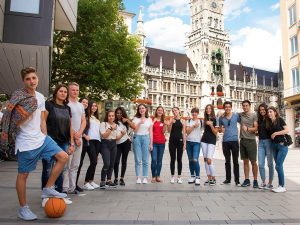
column 122, row 127
column 195, row 135
column 30, row 136
column 94, row 131
column 143, row 128
column 113, row 134
column 77, row 111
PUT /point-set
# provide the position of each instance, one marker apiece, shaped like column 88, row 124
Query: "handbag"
column 288, row 140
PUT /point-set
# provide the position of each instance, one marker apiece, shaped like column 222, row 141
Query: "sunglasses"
column 229, row 121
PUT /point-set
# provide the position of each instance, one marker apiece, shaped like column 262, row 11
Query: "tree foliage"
column 100, row 55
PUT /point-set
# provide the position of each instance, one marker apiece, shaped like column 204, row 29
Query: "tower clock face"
column 214, row 5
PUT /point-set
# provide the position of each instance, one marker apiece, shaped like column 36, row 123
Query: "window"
column 180, row 88
column 193, row 102
column 292, row 15
column 193, row 90
column 22, row 6
column 153, row 84
column 166, row 100
column 180, row 101
column 167, row 86
column 294, row 45
column 153, row 99
column 295, row 75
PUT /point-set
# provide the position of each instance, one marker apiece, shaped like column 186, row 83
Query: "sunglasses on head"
column 229, row 121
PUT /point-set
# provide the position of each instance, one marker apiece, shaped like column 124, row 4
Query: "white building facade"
column 204, row 75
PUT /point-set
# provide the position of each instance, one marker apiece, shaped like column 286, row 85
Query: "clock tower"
column 208, row 48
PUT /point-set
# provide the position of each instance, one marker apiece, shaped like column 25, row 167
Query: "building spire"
column 140, row 28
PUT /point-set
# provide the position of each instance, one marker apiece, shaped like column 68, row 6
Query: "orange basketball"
column 55, row 207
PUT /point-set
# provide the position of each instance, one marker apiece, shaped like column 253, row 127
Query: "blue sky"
column 254, row 28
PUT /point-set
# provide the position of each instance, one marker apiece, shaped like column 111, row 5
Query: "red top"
column 158, row 133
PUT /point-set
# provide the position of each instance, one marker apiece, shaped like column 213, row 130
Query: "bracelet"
column 72, row 144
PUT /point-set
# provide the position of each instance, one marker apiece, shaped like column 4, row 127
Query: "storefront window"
column 297, row 127
column 25, row 6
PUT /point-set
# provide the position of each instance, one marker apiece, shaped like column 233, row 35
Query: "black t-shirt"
column 263, row 132
column 58, row 122
column 208, row 136
column 278, row 127
column 176, row 130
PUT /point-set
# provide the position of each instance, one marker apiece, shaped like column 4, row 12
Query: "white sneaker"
column 179, row 180
column 94, row 185
column 280, row 189
column 172, row 181
column 67, row 201
column 192, row 180
column 145, row 181
column 197, row 181
column 44, row 201
column 139, row 181
column 88, row 187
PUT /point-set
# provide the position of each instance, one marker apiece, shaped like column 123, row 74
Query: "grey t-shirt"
column 247, row 119
column 77, row 111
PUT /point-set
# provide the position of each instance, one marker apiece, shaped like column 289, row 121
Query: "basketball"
column 55, row 207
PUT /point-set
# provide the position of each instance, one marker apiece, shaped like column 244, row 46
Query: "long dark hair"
column 162, row 118
column 106, row 114
column 212, row 116
column 124, row 115
column 96, row 114
column 59, row 86
column 138, row 115
column 261, row 118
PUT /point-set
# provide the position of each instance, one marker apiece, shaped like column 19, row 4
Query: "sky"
column 253, row 25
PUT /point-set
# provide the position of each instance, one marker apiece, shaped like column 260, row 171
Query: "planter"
column 212, row 93
column 220, row 94
column 220, row 107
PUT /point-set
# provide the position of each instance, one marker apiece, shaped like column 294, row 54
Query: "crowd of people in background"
column 62, row 129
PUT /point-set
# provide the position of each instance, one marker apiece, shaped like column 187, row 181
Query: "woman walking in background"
column 58, row 120
column 193, row 130
column 265, row 149
column 177, row 144
column 208, row 143
column 159, row 139
column 85, row 145
column 142, row 142
column 278, row 129
column 123, row 144
column 94, row 148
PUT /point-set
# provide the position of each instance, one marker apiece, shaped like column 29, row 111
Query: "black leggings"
column 176, row 146
column 122, row 150
column 93, row 151
column 84, row 151
column 109, row 151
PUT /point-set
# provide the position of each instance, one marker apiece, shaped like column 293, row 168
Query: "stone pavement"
column 163, row 203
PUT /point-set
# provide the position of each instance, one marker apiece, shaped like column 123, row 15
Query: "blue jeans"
column 141, row 153
column 193, row 151
column 265, row 150
column 157, row 156
column 47, row 167
column 280, row 152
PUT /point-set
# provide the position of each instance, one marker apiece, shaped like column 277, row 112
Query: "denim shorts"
column 27, row 160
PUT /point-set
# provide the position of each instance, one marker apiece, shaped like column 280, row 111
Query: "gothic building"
column 204, row 75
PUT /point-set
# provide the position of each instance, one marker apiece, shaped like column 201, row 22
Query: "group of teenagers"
column 63, row 129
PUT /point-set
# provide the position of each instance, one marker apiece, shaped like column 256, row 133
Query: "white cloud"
column 256, row 46
column 168, row 7
column 166, row 33
column 275, row 6
column 234, row 8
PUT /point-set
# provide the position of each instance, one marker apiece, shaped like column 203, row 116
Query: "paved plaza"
column 163, row 203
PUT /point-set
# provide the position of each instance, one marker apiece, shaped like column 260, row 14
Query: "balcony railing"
column 291, row 91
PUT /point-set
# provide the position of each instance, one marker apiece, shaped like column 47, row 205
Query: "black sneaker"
column 102, row 185
column 255, row 184
column 122, row 183
column 75, row 192
column 246, row 183
column 212, row 182
column 226, row 182
column 116, row 181
column 206, row 182
column 79, row 189
column 238, row 184
column 111, row 184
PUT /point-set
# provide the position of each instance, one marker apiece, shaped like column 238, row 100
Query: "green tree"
column 100, row 55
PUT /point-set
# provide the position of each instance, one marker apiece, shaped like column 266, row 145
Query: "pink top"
column 158, row 133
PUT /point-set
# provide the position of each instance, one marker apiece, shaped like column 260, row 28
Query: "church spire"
column 140, row 27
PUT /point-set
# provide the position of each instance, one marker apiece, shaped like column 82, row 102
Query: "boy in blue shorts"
column 25, row 113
